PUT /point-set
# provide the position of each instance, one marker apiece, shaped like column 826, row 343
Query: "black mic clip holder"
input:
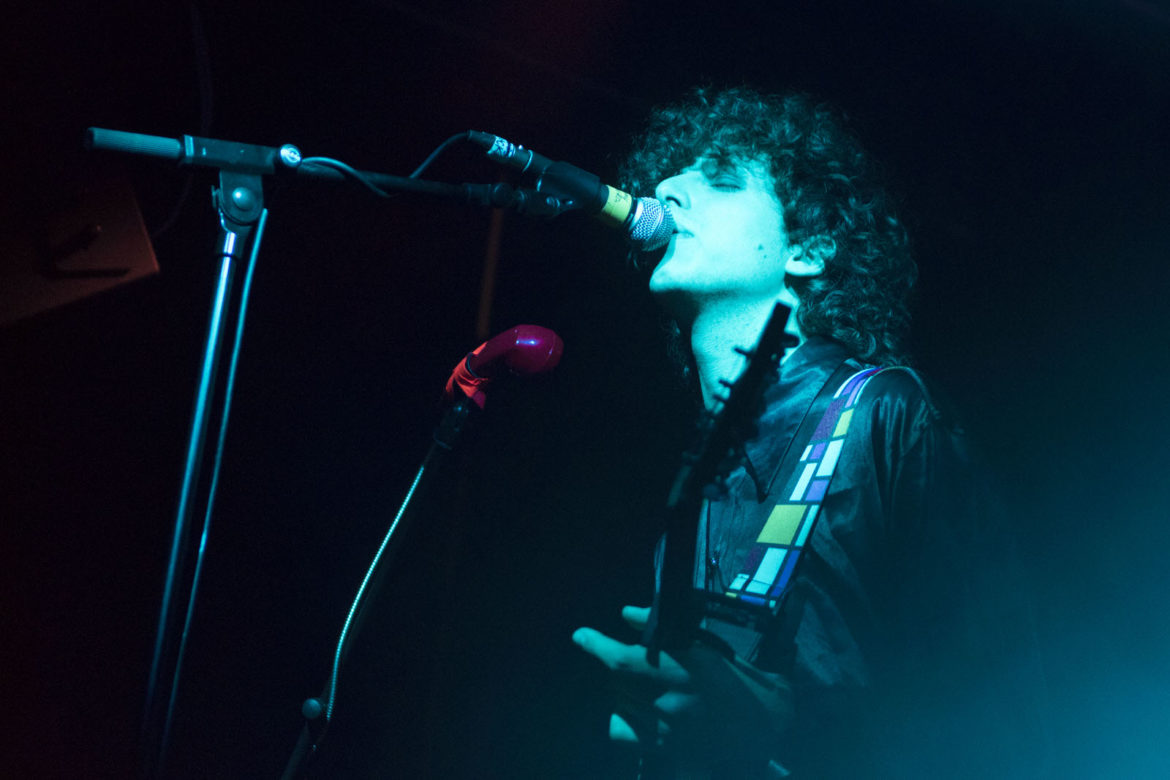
column 560, row 188
column 239, row 202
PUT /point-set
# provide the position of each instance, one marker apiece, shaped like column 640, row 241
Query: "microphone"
column 647, row 223
column 525, row 350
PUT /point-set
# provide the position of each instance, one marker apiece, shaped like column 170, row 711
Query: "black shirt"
column 905, row 638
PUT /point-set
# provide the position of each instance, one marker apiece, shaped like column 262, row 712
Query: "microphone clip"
column 534, row 202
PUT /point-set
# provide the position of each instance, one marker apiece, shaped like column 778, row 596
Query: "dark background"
column 1030, row 142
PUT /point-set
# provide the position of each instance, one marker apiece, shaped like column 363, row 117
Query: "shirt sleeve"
column 908, row 637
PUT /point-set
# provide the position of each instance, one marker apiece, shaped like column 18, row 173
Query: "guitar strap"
column 808, row 470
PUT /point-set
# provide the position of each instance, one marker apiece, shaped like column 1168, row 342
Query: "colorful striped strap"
column 772, row 558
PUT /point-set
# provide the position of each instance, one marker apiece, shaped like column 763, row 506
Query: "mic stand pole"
column 318, row 711
column 240, row 205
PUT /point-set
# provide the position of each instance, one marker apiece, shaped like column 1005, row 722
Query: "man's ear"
column 808, row 259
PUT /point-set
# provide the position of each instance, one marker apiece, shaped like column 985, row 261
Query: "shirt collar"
column 786, row 402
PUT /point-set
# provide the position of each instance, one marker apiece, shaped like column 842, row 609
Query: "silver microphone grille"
column 652, row 225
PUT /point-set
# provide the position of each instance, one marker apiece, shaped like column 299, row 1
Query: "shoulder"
column 899, row 391
column 899, row 383
column 901, row 411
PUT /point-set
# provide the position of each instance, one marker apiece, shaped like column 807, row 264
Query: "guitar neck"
column 677, row 607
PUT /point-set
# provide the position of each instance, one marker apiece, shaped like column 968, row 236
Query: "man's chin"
column 663, row 279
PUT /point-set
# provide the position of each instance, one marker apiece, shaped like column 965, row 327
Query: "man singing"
column 860, row 618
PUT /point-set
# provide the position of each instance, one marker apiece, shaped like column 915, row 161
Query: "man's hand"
column 640, row 680
column 701, row 707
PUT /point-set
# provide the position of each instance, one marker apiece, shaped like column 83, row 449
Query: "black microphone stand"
column 318, row 711
column 239, row 200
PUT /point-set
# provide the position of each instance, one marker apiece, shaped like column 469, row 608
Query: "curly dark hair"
column 834, row 205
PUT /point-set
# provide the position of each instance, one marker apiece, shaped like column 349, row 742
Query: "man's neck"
column 718, row 329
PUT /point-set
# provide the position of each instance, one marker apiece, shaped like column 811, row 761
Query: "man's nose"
column 673, row 191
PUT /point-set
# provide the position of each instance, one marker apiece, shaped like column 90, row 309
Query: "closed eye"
column 726, row 183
